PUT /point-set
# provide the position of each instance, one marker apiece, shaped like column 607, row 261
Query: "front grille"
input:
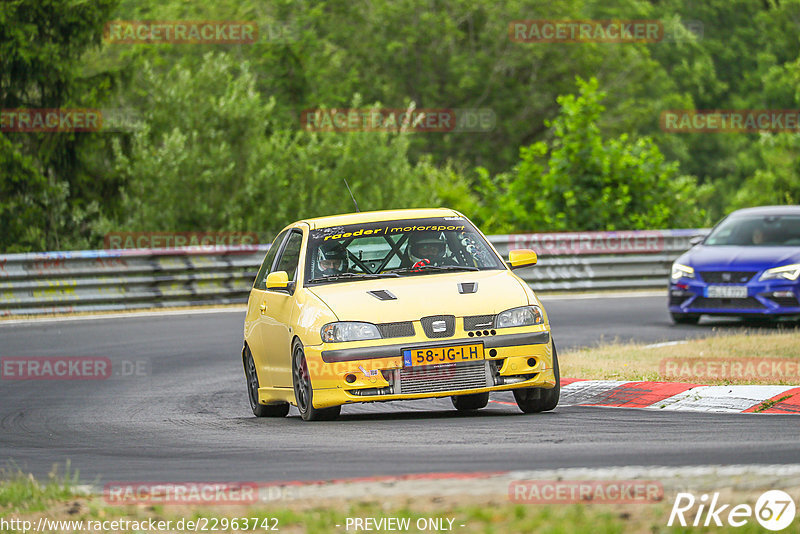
column 750, row 303
column 478, row 322
column 727, row 277
column 785, row 302
column 449, row 325
column 676, row 301
column 678, row 296
column 400, row 329
column 446, row 377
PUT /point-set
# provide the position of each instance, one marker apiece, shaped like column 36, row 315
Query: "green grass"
column 22, row 496
column 22, row 493
column 640, row 362
column 767, row 404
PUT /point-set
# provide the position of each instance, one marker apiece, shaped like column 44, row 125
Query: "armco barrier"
column 99, row 280
column 107, row 280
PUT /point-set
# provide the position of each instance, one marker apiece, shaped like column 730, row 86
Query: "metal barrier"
column 579, row 261
column 107, row 280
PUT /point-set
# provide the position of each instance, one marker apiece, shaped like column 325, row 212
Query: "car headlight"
column 787, row 272
column 349, row 331
column 522, row 316
column 681, row 271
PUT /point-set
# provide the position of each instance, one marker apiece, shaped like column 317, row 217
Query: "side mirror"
column 521, row 258
column 278, row 280
column 696, row 239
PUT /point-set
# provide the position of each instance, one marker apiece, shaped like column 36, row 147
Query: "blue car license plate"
column 727, row 292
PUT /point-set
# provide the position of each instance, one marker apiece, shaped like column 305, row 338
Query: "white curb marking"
column 721, row 399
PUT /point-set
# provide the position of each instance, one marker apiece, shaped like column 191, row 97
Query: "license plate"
column 727, row 292
column 440, row 355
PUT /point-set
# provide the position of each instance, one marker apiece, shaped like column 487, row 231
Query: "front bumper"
column 518, row 359
column 767, row 298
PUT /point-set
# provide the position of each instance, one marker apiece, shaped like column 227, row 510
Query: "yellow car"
column 393, row 305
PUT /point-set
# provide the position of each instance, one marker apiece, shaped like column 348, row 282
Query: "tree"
column 47, row 186
column 211, row 155
column 776, row 181
column 583, row 181
column 25, row 199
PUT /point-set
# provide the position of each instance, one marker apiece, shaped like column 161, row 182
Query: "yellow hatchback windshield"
column 397, row 248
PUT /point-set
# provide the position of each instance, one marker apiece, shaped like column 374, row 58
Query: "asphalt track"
column 185, row 416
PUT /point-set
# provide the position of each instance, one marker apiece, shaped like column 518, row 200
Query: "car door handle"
column 263, row 308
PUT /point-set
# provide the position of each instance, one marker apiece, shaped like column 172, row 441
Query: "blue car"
column 748, row 266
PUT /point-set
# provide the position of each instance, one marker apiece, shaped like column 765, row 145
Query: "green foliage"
column 23, row 493
column 299, row 175
column 23, row 201
column 209, row 154
column 742, row 61
column 219, row 144
column 41, row 43
column 776, row 182
column 49, row 190
column 583, row 181
column 192, row 147
column 772, row 164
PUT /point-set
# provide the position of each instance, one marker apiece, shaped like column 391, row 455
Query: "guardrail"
column 579, row 261
column 107, row 280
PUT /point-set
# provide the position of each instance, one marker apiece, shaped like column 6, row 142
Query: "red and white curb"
column 681, row 397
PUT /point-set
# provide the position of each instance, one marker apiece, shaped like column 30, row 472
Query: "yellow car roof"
column 375, row 216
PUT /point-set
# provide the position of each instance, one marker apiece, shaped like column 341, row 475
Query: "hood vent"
column 467, row 287
column 382, row 294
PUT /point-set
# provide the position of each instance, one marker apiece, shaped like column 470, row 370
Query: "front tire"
column 684, row 318
column 259, row 410
column 476, row 401
column 535, row 400
column 304, row 393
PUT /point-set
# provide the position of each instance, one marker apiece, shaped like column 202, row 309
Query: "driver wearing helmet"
column 332, row 259
column 429, row 246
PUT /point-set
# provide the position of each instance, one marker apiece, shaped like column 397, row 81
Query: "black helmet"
column 426, row 245
column 332, row 259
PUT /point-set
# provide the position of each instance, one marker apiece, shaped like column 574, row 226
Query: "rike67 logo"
column 774, row 510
